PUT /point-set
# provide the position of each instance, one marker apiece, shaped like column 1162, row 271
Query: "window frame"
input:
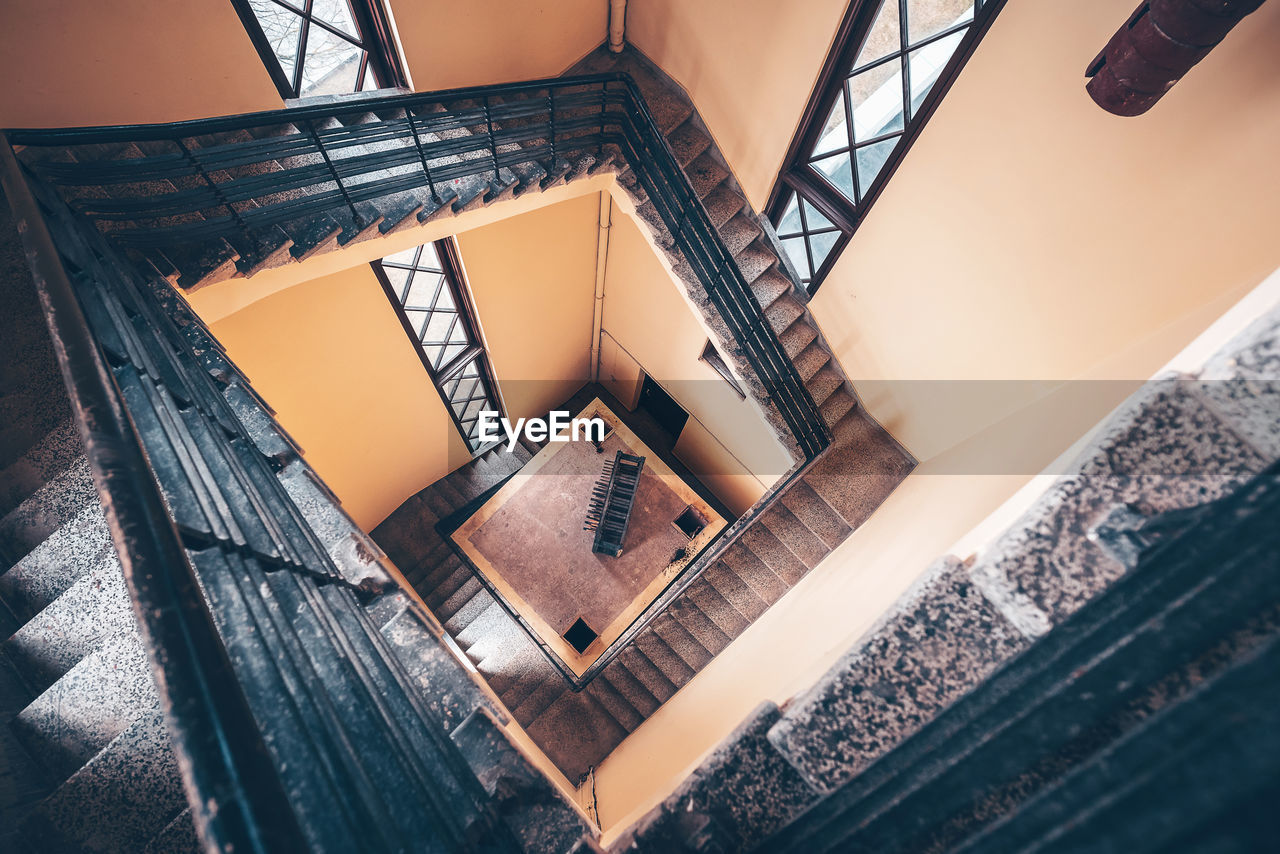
column 377, row 40
column 476, row 352
column 798, row 178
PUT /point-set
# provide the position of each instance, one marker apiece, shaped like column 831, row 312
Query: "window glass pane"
column 283, row 30
column 433, row 355
column 790, row 222
column 330, row 66
column 438, row 327
column 835, row 133
column 799, row 256
column 398, row 277
column 927, row 17
column 871, row 160
column 814, row 219
column 452, row 352
column 417, row 319
column 423, row 291
column 838, row 171
column 876, row 95
column 821, row 245
column 926, row 64
column 336, row 13
column 882, row 40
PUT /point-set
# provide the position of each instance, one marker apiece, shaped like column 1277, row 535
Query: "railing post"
column 333, row 170
column 191, row 158
column 493, row 146
column 551, row 124
column 422, row 155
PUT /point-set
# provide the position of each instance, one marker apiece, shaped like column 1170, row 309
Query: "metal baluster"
column 333, row 171
column 493, row 146
column 604, row 103
column 551, row 123
column 422, row 154
column 190, row 156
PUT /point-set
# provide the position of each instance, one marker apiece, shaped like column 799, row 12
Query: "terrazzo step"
column 647, row 673
column 817, row 514
column 775, row 554
column 539, row 700
column 723, row 204
column 627, row 686
column 824, row 384
column 792, row 533
column 41, row 463
column 177, row 837
column 47, row 509
column 754, row 573
column 737, row 592
column 812, row 359
column 458, row 577
column 463, row 595
column 513, row 678
column 674, row 668
column 688, row 141
column 770, row 287
column 709, row 602
column 783, row 313
column 739, row 233
column 705, row 174
column 474, row 607
column 30, row 585
column 699, row 626
column 796, row 337
column 689, row 649
column 619, row 708
column 95, row 608
column 86, row 708
column 837, row 406
column 123, row 797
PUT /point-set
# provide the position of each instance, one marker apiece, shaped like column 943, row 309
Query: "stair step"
column 203, row 262
column 643, row 669
column 476, row 605
column 837, row 406
column 539, row 700
column 523, row 672
column 122, row 797
column 705, row 174
column 774, row 553
column 754, row 572
column 666, row 659
column 312, row 234
column 719, row 610
column 688, row 141
column 94, row 609
column 492, row 623
column 734, row 590
column 629, row 688
column 41, row 463
column 603, row 692
column 723, row 204
column 797, row 337
column 793, row 534
column 808, row 507
column 824, row 384
column 178, row 837
column 699, row 625
column 54, row 565
column 84, row 710
column 739, row 232
column 457, row 579
column 47, row 509
column 682, row 643
column 784, row 313
column 812, row 359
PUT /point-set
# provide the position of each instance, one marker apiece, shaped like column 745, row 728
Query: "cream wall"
column 332, row 359
column 477, row 42
column 1031, row 236
column 749, row 65
column 72, row 62
column 651, row 321
column 533, row 280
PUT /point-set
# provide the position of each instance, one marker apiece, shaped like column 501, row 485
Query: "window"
column 427, row 287
column 323, row 47
column 891, row 63
column 712, row 357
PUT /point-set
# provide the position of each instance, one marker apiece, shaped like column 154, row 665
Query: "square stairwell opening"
column 580, row 635
column 690, row 522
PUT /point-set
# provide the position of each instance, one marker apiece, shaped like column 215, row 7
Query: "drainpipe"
column 617, row 24
column 602, row 255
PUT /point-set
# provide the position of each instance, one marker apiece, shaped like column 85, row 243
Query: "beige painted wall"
column 1047, row 240
column 533, row 280
column 71, row 62
column 471, row 43
column 332, row 359
column 651, row 320
column 749, row 65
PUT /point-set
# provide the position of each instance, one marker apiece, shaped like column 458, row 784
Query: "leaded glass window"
column 427, row 286
column 870, row 104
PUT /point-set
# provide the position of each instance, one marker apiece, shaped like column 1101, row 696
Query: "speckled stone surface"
column 55, row 564
column 529, row 804
column 41, row 463
column 942, row 638
column 444, row 684
column 1166, row 450
column 120, row 799
column 178, row 837
column 93, row 611
column 47, row 509
column 745, row 787
column 576, row 732
column 83, row 711
column 1242, row 384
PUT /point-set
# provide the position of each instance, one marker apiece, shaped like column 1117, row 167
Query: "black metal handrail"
column 295, row 725
column 335, row 163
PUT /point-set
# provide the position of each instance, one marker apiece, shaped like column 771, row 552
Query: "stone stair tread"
column 202, row 263
column 539, row 700
column 807, row 506
column 47, row 509
column 519, row 675
column 39, row 464
column 646, row 672
column 739, row 232
column 775, row 554
column 474, row 607
column 769, row 287
column 811, row 360
column 796, row 337
column 458, row 576
column 705, row 174
column 34, row 582
column 177, row 837
column 688, row 141
column 629, row 688
column 676, row 670
column 783, row 313
column 723, row 204
column 793, row 534
column 618, row 707
column 122, row 797
column 682, row 642
column 491, row 619
column 734, row 590
column 470, row 588
column 699, row 625
column 824, row 384
column 719, row 610
column 837, row 406
column 759, row 577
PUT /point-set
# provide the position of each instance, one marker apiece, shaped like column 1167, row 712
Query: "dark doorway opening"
column 662, row 408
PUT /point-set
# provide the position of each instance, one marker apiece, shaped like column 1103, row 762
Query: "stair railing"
column 335, row 161
column 294, row 724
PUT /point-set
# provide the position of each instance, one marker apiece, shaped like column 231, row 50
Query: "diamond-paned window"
column 427, row 286
column 322, row 47
column 870, row 104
